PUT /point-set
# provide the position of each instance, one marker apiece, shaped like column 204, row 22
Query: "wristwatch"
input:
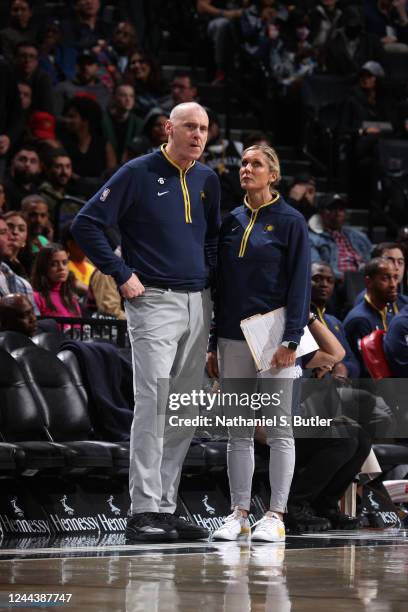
column 292, row 346
column 313, row 318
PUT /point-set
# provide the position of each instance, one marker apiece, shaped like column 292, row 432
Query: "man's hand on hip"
column 132, row 288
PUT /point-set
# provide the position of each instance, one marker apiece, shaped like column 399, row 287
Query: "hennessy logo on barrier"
column 67, row 508
column 373, row 503
column 114, row 509
column 207, row 506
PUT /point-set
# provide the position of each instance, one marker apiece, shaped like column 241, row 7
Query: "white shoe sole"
column 260, row 538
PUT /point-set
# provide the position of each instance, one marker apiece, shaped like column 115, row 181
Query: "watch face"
column 292, row 346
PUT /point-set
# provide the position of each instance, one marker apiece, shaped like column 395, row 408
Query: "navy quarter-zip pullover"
column 263, row 264
column 168, row 219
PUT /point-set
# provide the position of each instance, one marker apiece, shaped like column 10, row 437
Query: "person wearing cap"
column 378, row 307
column 166, row 207
column 55, row 57
column 86, row 81
column 343, row 248
column 350, row 46
column 152, row 136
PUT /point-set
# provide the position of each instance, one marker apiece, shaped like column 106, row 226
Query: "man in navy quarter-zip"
column 377, row 308
column 166, row 206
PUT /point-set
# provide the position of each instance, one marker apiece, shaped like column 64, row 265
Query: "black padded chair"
column 8, row 465
column 393, row 460
column 66, row 411
column 23, row 426
column 51, row 341
column 11, row 340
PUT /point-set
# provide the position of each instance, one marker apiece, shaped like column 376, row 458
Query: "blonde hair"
column 271, row 156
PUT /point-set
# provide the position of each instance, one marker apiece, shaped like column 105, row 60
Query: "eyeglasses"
column 28, row 55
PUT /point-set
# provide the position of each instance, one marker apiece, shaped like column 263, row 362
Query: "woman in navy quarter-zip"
column 263, row 264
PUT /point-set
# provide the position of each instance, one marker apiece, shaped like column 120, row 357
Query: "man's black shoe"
column 149, row 527
column 185, row 529
column 339, row 520
column 302, row 519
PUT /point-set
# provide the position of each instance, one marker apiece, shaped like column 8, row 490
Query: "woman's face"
column 25, row 95
column 18, row 232
column 139, row 66
column 58, row 268
column 255, row 173
column 158, row 132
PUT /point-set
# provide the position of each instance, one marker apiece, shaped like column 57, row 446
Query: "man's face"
column 26, row 95
column 125, row 97
column 87, row 71
column 18, row 315
column 38, row 215
column 88, row 8
column 60, row 172
column 124, row 36
column 333, row 218
column 188, row 132
column 322, row 284
column 26, row 165
column 384, row 285
column 182, row 90
column 20, row 13
column 5, row 240
column 396, row 257
column 27, row 60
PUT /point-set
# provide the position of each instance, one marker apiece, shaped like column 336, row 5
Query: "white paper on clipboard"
column 263, row 334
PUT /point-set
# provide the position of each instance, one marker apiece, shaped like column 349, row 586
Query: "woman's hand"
column 212, row 364
column 283, row 358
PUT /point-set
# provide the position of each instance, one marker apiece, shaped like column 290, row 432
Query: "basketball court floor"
column 336, row 571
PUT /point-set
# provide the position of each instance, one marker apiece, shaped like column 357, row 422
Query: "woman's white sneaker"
column 235, row 525
column 269, row 529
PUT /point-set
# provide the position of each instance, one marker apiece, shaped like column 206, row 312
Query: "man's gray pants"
column 169, row 333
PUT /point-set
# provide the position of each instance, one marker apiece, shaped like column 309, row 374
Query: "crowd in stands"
column 83, row 89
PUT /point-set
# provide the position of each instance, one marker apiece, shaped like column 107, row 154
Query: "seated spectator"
column 104, row 293
column 28, row 71
column 40, row 230
column 20, row 29
column 122, row 45
column 257, row 137
column 323, row 282
column 350, row 46
column 378, row 307
column 41, row 128
column 85, row 28
column 9, row 281
column 78, row 264
column 153, row 134
column 222, row 21
column 324, row 18
column 17, row 314
column 388, row 20
column 143, row 73
column 396, row 345
column 302, row 194
column 344, row 248
column 392, row 252
column 11, row 120
column 23, row 176
column 224, row 157
column 26, row 97
column 91, row 154
column 120, row 124
column 86, row 81
column 60, row 182
column 183, row 89
column 55, row 57
column 19, row 258
column 53, row 283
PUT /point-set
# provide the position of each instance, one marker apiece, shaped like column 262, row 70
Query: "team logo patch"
column 104, row 194
column 202, row 195
column 268, row 228
column 406, row 339
column 161, row 180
